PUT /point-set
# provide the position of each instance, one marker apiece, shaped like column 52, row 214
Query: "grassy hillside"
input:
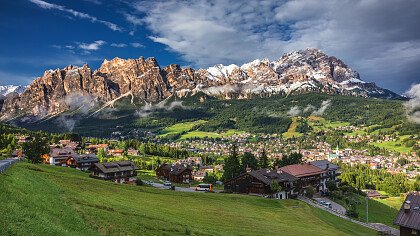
column 45, row 200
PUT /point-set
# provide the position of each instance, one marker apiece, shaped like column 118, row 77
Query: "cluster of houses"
column 65, row 154
column 291, row 179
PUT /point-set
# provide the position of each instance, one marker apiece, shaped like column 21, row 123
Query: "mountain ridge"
column 297, row 72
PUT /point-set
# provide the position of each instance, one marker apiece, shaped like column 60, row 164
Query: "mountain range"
column 73, row 87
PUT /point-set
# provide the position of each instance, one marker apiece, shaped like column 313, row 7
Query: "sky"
column 378, row 38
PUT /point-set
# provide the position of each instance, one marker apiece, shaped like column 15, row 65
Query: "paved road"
column 334, row 206
column 181, row 189
column 4, row 164
column 375, row 226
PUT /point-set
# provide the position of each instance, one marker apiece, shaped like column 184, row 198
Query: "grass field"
column 291, row 132
column 181, row 127
column 203, row 134
column 394, row 202
column 378, row 211
column 321, row 124
column 48, row 200
column 393, row 146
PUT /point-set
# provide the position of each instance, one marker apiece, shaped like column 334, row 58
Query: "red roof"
column 300, row 170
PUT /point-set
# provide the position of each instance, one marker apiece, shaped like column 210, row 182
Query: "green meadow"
column 48, row 200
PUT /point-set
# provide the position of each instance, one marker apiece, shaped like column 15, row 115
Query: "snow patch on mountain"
column 6, row 89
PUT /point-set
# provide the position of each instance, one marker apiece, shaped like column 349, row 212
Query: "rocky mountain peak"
column 303, row 71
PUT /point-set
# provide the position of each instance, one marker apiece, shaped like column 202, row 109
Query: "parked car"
column 167, row 184
column 328, row 204
column 204, row 187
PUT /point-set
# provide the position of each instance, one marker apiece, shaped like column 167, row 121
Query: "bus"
column 204, row 187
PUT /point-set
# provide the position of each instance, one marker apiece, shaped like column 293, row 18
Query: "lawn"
column 48, row 200
column 378, row 212
column 394, row 202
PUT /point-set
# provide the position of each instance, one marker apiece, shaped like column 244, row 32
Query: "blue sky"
column 379, row 39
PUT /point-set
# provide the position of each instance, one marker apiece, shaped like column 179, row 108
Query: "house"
column 93, row 148
column 331, row 172
column 82, row 162
column 207, row 169
column 259, row 182
column 199, row 175
column 372, row 193
column 119, row 171
column 132, row 152
column 58, row 156
column 17, row 153
column 116, row 152
column 308, row 175
column 408, row 217
column 178, row 173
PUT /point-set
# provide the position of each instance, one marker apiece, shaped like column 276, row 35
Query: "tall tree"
column 249, row 160
column 36, row 148
column 232, row 166
column 263, row 161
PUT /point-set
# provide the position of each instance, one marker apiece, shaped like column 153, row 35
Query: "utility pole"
column 367, row 209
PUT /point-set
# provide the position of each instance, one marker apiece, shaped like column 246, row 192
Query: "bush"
column 309, row 192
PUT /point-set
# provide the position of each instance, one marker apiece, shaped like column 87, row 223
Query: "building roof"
column 59, row 152
column 301, row 170
column 266, row 176
column 324, row 164
column 85, row 158
column 411, row 218
column 175, row 169
column 118, row 166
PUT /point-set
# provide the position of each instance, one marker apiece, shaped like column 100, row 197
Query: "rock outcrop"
column 304, row 71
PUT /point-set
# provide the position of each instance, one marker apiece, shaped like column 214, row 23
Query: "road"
column 334, row 206
column 375, row 226
column 180, row 189
column 4, row 164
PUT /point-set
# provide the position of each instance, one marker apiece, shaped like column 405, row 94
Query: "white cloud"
column 92, row 46
column 360, row 32
column 137, row 45
column 294, row 111
column 324, row 105
column 78, row 14
column 119, row 45
column 413, row 105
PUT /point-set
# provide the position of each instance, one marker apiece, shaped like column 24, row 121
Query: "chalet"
column 177, row 173
column 259, row 182
column 119, row 172
column 207, row 169
column 93, row 148
column 68, row 143
column 199, row 175
column 408, row 217
column 132, row 152
column 58, row 156
column 82, row 162
column 17, row 153
column 331, row 172
column 308, row 175
column 116, row 152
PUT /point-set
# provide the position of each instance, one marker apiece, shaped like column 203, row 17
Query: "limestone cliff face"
column 303, row 71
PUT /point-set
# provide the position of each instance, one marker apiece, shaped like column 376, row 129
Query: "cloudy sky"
column 378, row 38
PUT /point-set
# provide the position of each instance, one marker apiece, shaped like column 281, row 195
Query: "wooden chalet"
column 116, row 152
column 119, row 171
column 408, row 217
column 177, row 173
column 82, row 162
column 308, row 175
column 93, row 148
column 58, row 156
column 259, row 182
